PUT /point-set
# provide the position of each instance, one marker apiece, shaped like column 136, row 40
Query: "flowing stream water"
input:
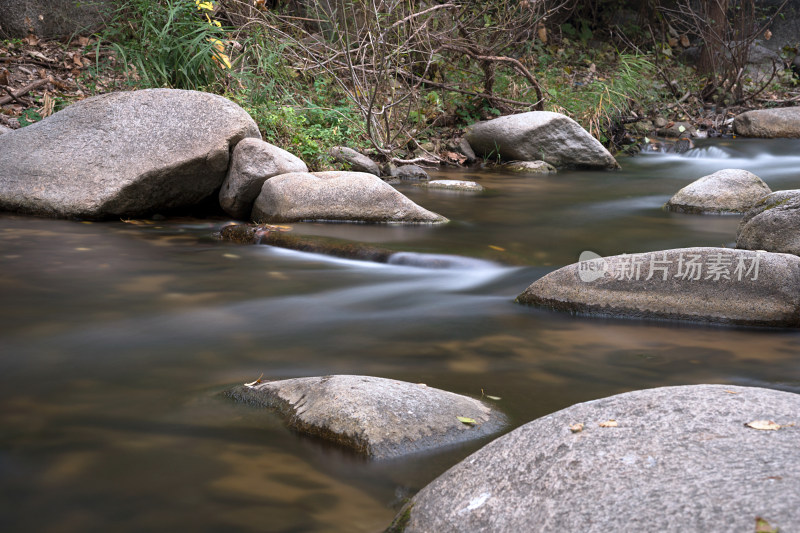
column 116, row 340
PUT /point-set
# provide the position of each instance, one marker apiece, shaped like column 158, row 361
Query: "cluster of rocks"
column 672, row 458
column 159, row 150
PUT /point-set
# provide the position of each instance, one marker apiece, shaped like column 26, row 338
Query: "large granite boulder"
column 51, row 19
column 357, row 161
column 769, row 123
column 122, row 154
column 336, row 196
column 718, row 285
column 725, row 191
column 773, row 224
column 539, row 135
column 254, row 162
column 666, row 459
column 377, row 417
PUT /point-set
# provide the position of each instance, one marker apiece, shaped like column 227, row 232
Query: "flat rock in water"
column 726, row 191
column 717, row 285
column 336, row 196
column 377, row 417
column 673, row 459
column 530, row 167
column 357, row 161
column 453, row 185
column 769, row 123
column 253, row 162
column 122, row 154
column 773, row 224
column 539, row 135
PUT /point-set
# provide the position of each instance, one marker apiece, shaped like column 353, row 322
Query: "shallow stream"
column 117, row 338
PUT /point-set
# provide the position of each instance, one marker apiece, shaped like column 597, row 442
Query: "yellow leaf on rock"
column 466, row 420
column 576, row 428
column 608, row 424
column 764, row 425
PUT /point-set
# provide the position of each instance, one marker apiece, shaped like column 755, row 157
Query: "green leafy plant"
column 168, row 43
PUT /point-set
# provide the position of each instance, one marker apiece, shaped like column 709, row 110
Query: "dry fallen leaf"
column 764, row 425
column 608, row 424
column 762, row 526
column 731, row 392
column 767, row 35
column 685, row 41
column 498, row 248
column 576, row 428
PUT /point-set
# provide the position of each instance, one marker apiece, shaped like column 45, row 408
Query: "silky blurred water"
column 117, row 338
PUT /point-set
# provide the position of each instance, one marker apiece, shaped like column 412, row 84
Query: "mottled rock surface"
column 453, row 185
column 336, row 196
column 769, row 123
column 377, row 417
column 726, row 191
column 357, row 161
column 409, row 172
column 122, row 154
column 677, row 459
column 530, row 167
column 253, row 162
column 53, row 18
column 717, row 285
column 773, row 224
column 539, row 135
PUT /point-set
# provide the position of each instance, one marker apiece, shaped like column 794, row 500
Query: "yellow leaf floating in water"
column 466, row 420
column 764, row 425
column 608, row 424
column 498, row 248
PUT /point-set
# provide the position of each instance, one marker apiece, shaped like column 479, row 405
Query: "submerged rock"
column 717, row 285
column 769, row 123
column 122, row 154
column 453, row 185
column 551, row 137
column 666, row 459
column 253, row 162
column 336, row 196
column 357, row 161
column 377, row 417
column 726, row 191
column 530, row 167
column 773, row 224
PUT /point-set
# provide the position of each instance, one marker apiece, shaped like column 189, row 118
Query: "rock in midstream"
column 377, row 417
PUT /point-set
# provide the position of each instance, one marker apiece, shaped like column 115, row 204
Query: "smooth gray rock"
column 253, row 162
column 769, row 123
column 377, row 417
column 336, row 196
column 679, row 459
column 530, row 167
column 773, row 224
column 551, row 137
column 409, row 173
column 358, row 162
column 726, row 191
column 53, row 18
column 453, row 185
column 5, row 129
column 718, row 285
column 122, row 154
